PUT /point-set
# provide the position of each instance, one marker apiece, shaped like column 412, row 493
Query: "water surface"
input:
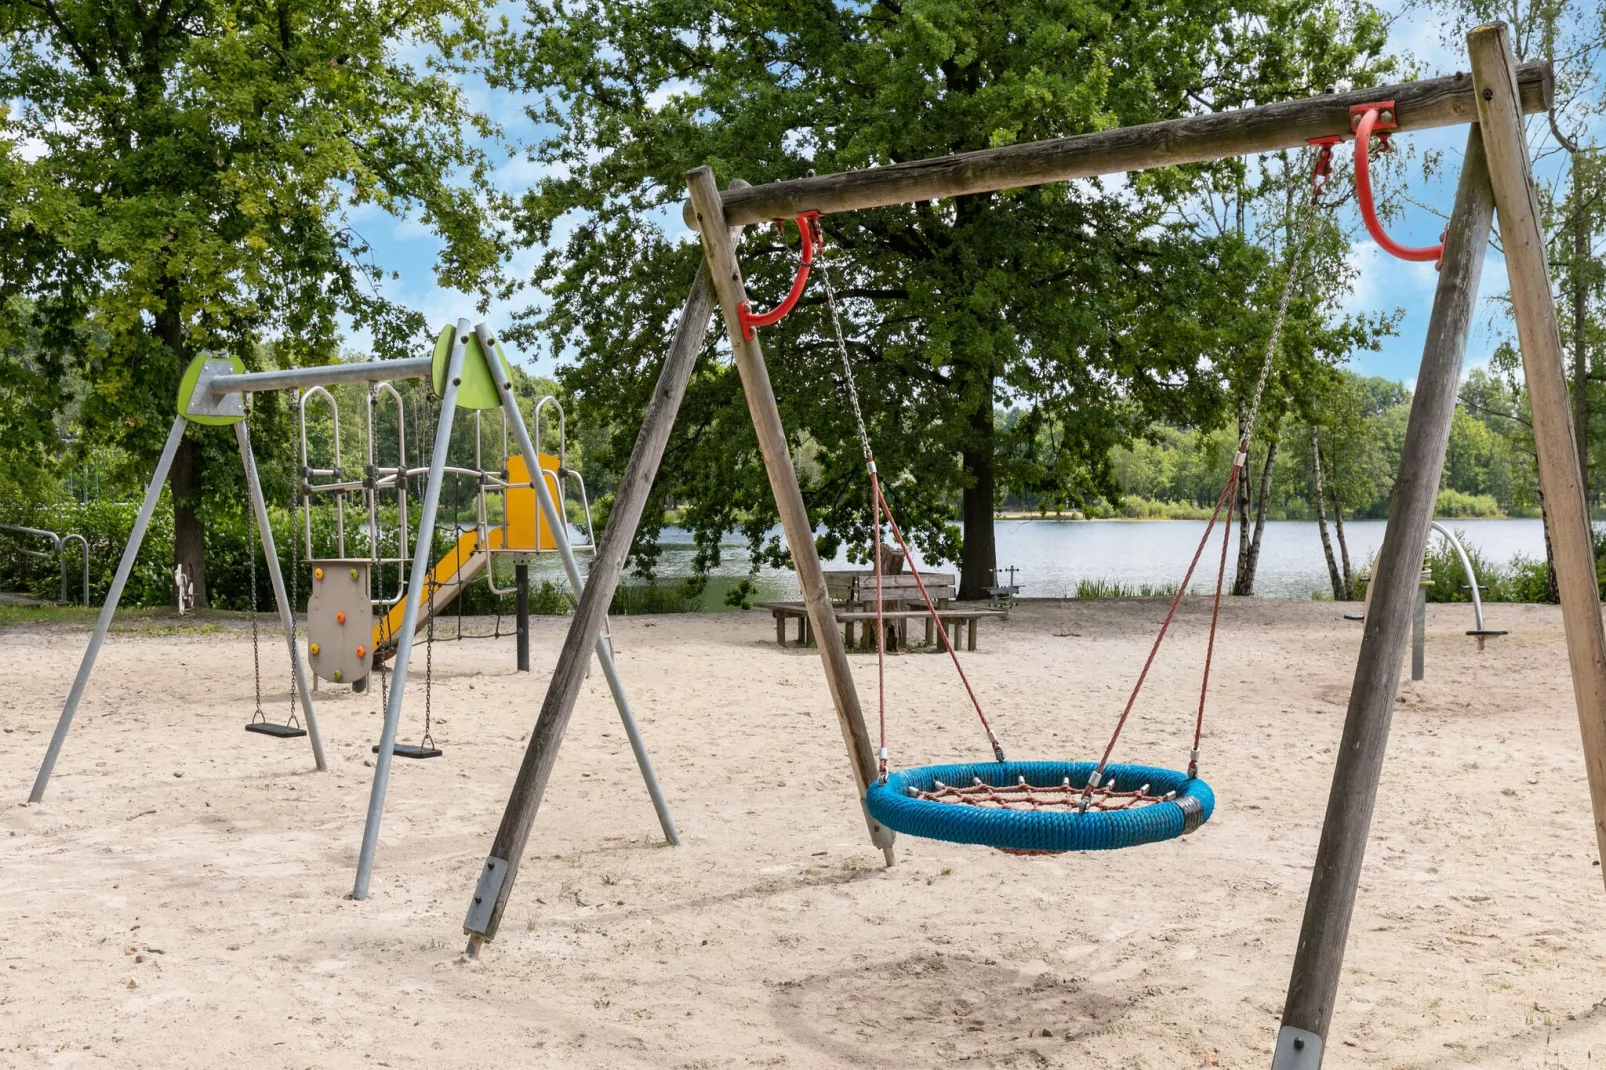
column 1053, row 556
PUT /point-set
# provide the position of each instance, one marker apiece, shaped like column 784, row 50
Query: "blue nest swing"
column 1036, row 807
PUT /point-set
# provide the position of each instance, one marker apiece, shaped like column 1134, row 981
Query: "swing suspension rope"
column 1115, row 791
column 878, row 505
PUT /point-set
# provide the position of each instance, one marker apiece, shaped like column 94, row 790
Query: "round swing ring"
column 1035, row 806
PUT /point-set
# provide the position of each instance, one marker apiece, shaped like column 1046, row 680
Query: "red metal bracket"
column 808, row 226
column 1366, row 120
column 1324, row 163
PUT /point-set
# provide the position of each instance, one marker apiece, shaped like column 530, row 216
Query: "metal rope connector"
column 882, row 777
column 1193, row 764
column 998, row 748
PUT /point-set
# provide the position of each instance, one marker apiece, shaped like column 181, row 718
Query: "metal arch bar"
column 259, row 505
column 56, row 542
column 409, row 626
column 306, row 470
column 153, row 493
column 65, row 539
column 1466, row 564
column 560, row 536
column 373, row 371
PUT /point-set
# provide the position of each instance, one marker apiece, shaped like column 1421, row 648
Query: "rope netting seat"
column 1046, row 807
column 1038, row 806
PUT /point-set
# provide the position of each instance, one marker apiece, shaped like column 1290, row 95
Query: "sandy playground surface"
column 179, row 898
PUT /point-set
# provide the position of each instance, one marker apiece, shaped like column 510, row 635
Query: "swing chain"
column 1295, row 257
column 1296, row 254
column 296, row 485
column 256, row 651
column 878, row 505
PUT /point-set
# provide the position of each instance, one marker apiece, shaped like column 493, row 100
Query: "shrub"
column 1455, row 505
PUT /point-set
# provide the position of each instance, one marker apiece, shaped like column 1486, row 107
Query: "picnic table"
column 961, row 622
column 853, row 603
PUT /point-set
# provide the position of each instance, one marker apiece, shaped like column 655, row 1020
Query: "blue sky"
column 1383, row 284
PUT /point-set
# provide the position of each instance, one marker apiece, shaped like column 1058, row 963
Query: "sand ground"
column 179, row 898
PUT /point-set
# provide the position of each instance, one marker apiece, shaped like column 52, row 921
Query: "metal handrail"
column 59, row 543
column 1472, row 577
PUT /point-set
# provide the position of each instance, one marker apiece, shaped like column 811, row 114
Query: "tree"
column 1571, row 36
column 1091, row 308
column 175, row 179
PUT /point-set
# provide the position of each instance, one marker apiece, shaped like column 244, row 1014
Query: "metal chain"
column 256, row 650
column 429, row 664
column 1296, row 255
column 847, row 364
column 295, row 564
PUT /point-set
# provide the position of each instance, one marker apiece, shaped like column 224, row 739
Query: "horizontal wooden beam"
column 1421, row 105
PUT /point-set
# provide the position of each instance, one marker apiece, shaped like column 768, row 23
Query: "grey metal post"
column 521, row 579
column 560, row 536
column 1319, row 957
column 416, row 579
column 1419, row 626
column 259, row 505
column 130, row 552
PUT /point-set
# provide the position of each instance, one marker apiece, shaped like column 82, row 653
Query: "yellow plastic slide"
column 463, row 564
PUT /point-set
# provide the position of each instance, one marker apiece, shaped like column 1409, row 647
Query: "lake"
column 1053, row 556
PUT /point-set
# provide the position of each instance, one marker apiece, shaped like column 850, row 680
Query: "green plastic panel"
column 186, row 390
column 478, row 389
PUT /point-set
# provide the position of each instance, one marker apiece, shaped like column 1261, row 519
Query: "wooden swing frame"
column 1495, row 177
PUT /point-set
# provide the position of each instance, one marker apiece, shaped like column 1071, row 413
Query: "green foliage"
column 631, row 600
column 185, row 178
column 1095, row 310
column 550, row 600
column 1457, row 505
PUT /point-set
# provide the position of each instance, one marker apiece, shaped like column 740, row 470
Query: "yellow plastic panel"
column 526, row 528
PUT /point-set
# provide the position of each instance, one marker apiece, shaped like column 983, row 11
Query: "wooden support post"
column 1534, row 307
column 721, row 254
column 574, row 659
column 1420, row 105
column 1322, row 937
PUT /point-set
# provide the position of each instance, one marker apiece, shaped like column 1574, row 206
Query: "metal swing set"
column 1495, row 177
column 468, row 370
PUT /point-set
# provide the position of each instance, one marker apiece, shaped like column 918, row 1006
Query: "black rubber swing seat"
column 277, row 731
column 411, row 750
column 1486, row 633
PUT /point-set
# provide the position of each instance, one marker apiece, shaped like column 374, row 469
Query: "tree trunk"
column 980, row 555
column 1244, row 584
column 1580, row 329
column 1243, row 509
column 1319, row 500
column 184, row 478
column 1343, row 546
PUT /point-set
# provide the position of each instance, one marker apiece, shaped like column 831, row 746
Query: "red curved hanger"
column 1370, row 115
column 807, row 225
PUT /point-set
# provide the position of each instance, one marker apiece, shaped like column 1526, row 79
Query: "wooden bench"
column 958, row 619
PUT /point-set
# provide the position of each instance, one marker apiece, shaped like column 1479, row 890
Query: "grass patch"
column 1102, row 588
column 151, row 620
column 643, row 598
